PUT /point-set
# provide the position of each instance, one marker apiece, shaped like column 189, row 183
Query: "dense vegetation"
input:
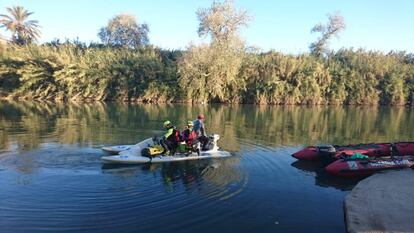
column 76, row 72
column 126, row 67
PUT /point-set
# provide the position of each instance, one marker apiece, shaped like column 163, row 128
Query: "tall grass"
column 76, row 72
column 72, row 72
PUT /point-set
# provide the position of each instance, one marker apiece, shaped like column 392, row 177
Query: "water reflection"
column 322, row 178
column 28, row 124
column 218, row 178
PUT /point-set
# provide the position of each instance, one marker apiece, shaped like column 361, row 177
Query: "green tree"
column 222, row 22
column 123, row 30
column 393, row 87
column 23, row 31
column 209, row 72
column 335, row 25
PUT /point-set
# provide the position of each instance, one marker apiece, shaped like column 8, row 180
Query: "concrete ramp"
column 383, row 202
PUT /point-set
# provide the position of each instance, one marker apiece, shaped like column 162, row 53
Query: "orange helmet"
column 200, row 116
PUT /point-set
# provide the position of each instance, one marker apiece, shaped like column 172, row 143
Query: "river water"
column 52, row 179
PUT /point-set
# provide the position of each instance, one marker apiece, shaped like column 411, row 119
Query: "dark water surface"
column 52, row 179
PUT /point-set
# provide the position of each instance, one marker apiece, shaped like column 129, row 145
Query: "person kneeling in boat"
column 170, row 139
column 189, row 136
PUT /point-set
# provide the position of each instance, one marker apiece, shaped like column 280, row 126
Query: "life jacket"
column 173, row 136
column 177, row 135
column 189, row 136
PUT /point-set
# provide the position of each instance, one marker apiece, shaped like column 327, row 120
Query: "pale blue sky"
column 280, row 25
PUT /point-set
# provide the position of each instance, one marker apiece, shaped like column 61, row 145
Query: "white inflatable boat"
column 114, row 150
column 132, row 154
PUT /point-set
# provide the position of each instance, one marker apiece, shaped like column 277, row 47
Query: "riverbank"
column 6, row 98
column 383, row 202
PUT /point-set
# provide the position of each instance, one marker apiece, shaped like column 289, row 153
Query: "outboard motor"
column 327, row 152
column 215, row 137
column 212, row 144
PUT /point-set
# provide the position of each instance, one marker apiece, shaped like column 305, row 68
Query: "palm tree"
column 23, row 31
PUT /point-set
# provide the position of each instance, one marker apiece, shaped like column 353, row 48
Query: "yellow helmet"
column 166, row 123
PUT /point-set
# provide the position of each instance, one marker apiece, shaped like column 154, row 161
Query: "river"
column 52, row 178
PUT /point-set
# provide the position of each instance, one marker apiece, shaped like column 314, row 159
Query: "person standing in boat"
column 200, row 130
column 170, row 139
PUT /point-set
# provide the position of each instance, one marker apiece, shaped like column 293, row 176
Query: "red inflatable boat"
column 313, row 153
column 352, row 168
